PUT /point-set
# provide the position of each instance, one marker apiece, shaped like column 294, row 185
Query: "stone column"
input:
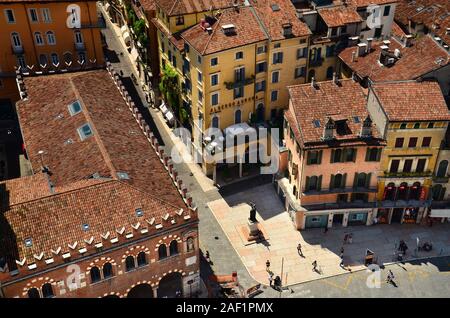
column 345, row 219
column 240, row 168
column 155, row 292
column 330, row 220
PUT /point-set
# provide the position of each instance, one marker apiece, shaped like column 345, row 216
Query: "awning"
column 123, row 29
column 127, row 38
column 134, row 54
column 440, row 213
column 239, row 129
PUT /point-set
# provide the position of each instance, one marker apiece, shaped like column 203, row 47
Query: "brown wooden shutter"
column 344, row 178
column 307, row 184
column 368, row 176
column 319, row 157
column 319, row 183
column 332, row 156
column 379, row 150
column 332, row 181
column 355, row 180
column 355, row 151
column 368, row 150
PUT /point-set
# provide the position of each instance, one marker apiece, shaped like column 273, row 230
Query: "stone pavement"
column 281, row 246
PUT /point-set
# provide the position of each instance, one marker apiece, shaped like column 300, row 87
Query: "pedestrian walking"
column 350, row 238
column 299, row 249
column 268, row 265
column 314, row 264
column 345, row 238
column 341, row 264
column 390, row 277
column 342, row 250
column 325, row 230
column 270, row 279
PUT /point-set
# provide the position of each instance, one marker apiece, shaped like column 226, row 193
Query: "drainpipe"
column 31, row 34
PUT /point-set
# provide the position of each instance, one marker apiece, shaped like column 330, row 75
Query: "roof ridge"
column 212, row 33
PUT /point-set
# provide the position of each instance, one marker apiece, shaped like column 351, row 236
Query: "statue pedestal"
column 252, row 228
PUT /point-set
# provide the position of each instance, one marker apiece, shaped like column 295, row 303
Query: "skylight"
column 28, row 242
column 74, row 108
column 356, row 119
column 85, row 131
column 139, row 212
column 316, row 123
column 85, row 227
column 275, row 7
column 123, row 175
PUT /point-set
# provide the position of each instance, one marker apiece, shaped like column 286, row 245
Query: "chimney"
column 313, row 82
column 408, row 40
column 366, row 129
column 447, row 32
column 387, row 42
column 236, row 5
column 369, row 44
column 328, row 130
column 397, row 53
column 353, row 40
column 335, row 78
column 353, row 56
column 361, row 49
column 287, row 29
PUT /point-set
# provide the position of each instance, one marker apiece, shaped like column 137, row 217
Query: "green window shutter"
column 344, row 180
column 332, row 156
column 319, row 159
column 355, row 180
column 308, row 158
column 368, row 176
column 368, row 150
column 343, row 155
column 355, row 151
column 319, row 183
column 332, row 181
column 307, row 184
column 379, row 154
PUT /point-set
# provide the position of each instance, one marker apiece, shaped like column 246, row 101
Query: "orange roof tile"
column 339, row 16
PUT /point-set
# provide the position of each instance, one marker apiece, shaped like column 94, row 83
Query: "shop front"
column 383, row 216
column 410, row 215
column 316, row 221
column 357, row 218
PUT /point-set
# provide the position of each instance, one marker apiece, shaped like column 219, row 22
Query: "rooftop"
column 339, row 16
column 181, row 7
column 411, row 100
column 422, row 57
column 365, row 3
column 314, row 106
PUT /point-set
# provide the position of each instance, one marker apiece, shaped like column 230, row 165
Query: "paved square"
column 233, row 211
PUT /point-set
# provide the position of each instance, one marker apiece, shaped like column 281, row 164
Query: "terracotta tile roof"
column 344, row 100
column 57, row 220
column 365, row 3
column 422, row 57
column 397, row 31
column 273, row 20
column 148, row 5
column 180, row 7
column 23, row 189
column 427, row 12
column 247, row 31
column 411, row 100
column 117, row 144
column 339, row 16
column 174, row 38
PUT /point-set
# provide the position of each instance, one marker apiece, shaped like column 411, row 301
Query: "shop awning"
column 440, row 213
column 238, row 129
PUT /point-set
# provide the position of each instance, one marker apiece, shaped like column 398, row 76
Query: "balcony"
column 416, row 174
column 316, row 62
column 340, row 205
column 341, row 190
column 247, row 81
column 79, row 46
column 17, row 49
column 403, row 203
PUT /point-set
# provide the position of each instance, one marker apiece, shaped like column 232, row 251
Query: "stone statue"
column 252, row 217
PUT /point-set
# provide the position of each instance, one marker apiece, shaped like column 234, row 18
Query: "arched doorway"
column 170, row 285
column 141, row 291
column 402, row 193
column 389, row 192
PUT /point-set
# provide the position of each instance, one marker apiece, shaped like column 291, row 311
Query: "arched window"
column 67, row 57
column 33, row 293
column 414, row 193
column 38, row 38
column 330, row 72
column 162, row 251
column 107, row 270
column 173, row 247
column 337, row 155
column 78, row 37
column 361, row 180
column 43, row 59
column 389, row 191
column 51, row 40
column 95, row 275
column 313, row 183
column 15, row 39
column 438, row 192
column 129, row 263
column 237, row 116
column 402, row 191
column 337, row 181
column 442, row 169
column 190, row 244
column 55, row 58
column 47, row 291
column 142, row 259
column 215, row 122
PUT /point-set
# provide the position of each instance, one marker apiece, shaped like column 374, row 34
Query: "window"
column 129, row 263
column 190, row 244
column 344, row 29
column 277, row 45
column 360, row 180
column 67, row 58
column 330, row 71
column 403, row 126
column 21, row 62
column 199, row 59
column 199, row 76
column 314, row 157
column 399, row 142
column 85, row 131
column 394, row 165
column 215, row 99
column 416, row 125
column 387, row 9
column 349, row 154
column 260, row 86
column 173, row 247
column 300, row 72
column 33, row 15
column 74, row 108
column 333, row 31
column 238, row 92
column 442, row 168
column 16, row 39
column 180, row 20
column 10, row 16
column 275, row 77
column 82, row 57
column 412, row 142
column 214, row 79
column 330, row 50
column 214, row 61
column 239, row 74
column 274, row 96
column 47, row 291
column 33, row 293
column 215, row 122
column 426, row 141
column 239, row 55
column 162, row 251
column 336, row 155
column 51, row 40
column 377, row 33
column 38, row 38
column 141, row 259
column 261, row 49
column 200, row 96
column 302, row 53
column 421, row 165
column 95, row 275
column 430, row 125
column 313, row 183
column 338, row 181
column 55, row 59
column 78, row 37
column 174, row 61
column 107, row 271
column 237, row 116
column 438, row 192
column 261, row 67
column 46, row 15
column 277, row 57
column 407, row 165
